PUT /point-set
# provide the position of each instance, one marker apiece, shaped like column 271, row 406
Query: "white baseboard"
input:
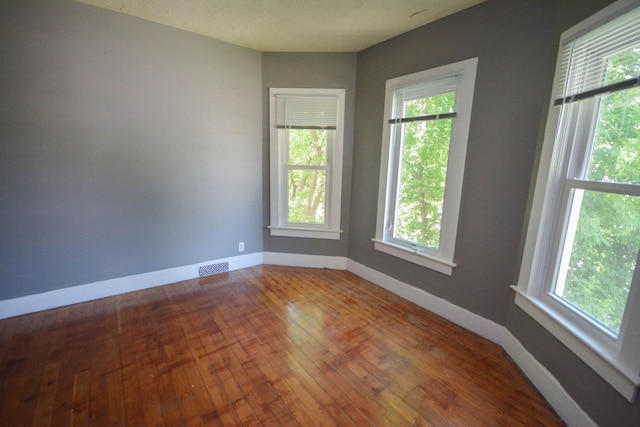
column 106, row 288
column 547, row 384
column 303, row 260
column 460, row 316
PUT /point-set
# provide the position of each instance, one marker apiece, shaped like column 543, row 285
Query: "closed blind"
column 306, row 112
column 429, row 89
column 601, row 61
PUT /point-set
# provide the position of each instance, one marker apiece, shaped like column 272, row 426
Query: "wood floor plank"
column 263, row 346
column 128, row 333
column 195, row 407
column 220, row 383
column 22, row 373
column 46, row 395
column 140, row 394
column 80, row 400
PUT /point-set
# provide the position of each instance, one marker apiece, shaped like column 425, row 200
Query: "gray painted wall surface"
column 125, row 147
column 515, row 56
column 310, row 70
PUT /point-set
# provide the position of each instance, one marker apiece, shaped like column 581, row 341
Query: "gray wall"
column 125, row 147
column 515, row 54
column 310, row 70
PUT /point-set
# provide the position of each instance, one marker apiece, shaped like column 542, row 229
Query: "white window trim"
column 278, row 195
column 429, row 261
column 614, row 359
column 442, row 260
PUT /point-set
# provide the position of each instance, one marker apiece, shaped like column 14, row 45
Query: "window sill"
column 420, row 258
column 309, row 233
column 603, row 359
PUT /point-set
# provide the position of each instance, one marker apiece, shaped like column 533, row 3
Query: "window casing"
column 580, row 272
column 306, row 138
column 426, row 125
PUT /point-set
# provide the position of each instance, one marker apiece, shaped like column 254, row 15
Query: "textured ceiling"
column 291, row 25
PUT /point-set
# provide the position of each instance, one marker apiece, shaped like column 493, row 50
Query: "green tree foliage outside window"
column 307, row 175
column 607, row 237
column 423, row 170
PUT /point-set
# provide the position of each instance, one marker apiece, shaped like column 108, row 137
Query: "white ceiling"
column 291, row 25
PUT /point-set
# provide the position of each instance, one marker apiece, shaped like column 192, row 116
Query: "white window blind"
column 402, row 95
column 583, row 60
column 306, row 112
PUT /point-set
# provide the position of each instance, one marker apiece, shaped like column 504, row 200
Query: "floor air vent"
column 211, row 269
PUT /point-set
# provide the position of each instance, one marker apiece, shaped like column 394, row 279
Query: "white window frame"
column 442, row 259
column 279, row 225
column 614, row 358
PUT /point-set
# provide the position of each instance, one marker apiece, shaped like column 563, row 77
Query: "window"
column 426, row 124
column 306, row 162
column 580, row 274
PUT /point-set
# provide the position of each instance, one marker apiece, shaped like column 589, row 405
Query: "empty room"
column 332, row 213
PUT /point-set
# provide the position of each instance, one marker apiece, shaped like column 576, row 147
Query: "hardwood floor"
column 262, row 346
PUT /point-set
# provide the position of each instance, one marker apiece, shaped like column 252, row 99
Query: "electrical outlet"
column 241, row 247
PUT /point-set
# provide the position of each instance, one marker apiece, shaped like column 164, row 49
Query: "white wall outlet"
column 241, row 247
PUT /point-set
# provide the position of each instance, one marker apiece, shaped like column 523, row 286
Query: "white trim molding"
column 309, row 233
column 303, row 260
column 421, row 258
column 547, row 384
column 111, row 287
column 460, row 316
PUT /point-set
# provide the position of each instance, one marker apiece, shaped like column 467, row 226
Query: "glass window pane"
column 437, row 104
column 602, row 257
column 307, row 196
column 308, row 147
column 422, row 176
column 615, row 155
column 623, row 65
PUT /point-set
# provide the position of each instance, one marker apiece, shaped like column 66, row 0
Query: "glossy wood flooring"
column 261, row 346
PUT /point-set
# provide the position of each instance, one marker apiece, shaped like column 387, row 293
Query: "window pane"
column 307, row 196
column 602, row 258
column 308, row 147
column 422, row 176
column 615, row 154
column 624, row 65
column 437, row 104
